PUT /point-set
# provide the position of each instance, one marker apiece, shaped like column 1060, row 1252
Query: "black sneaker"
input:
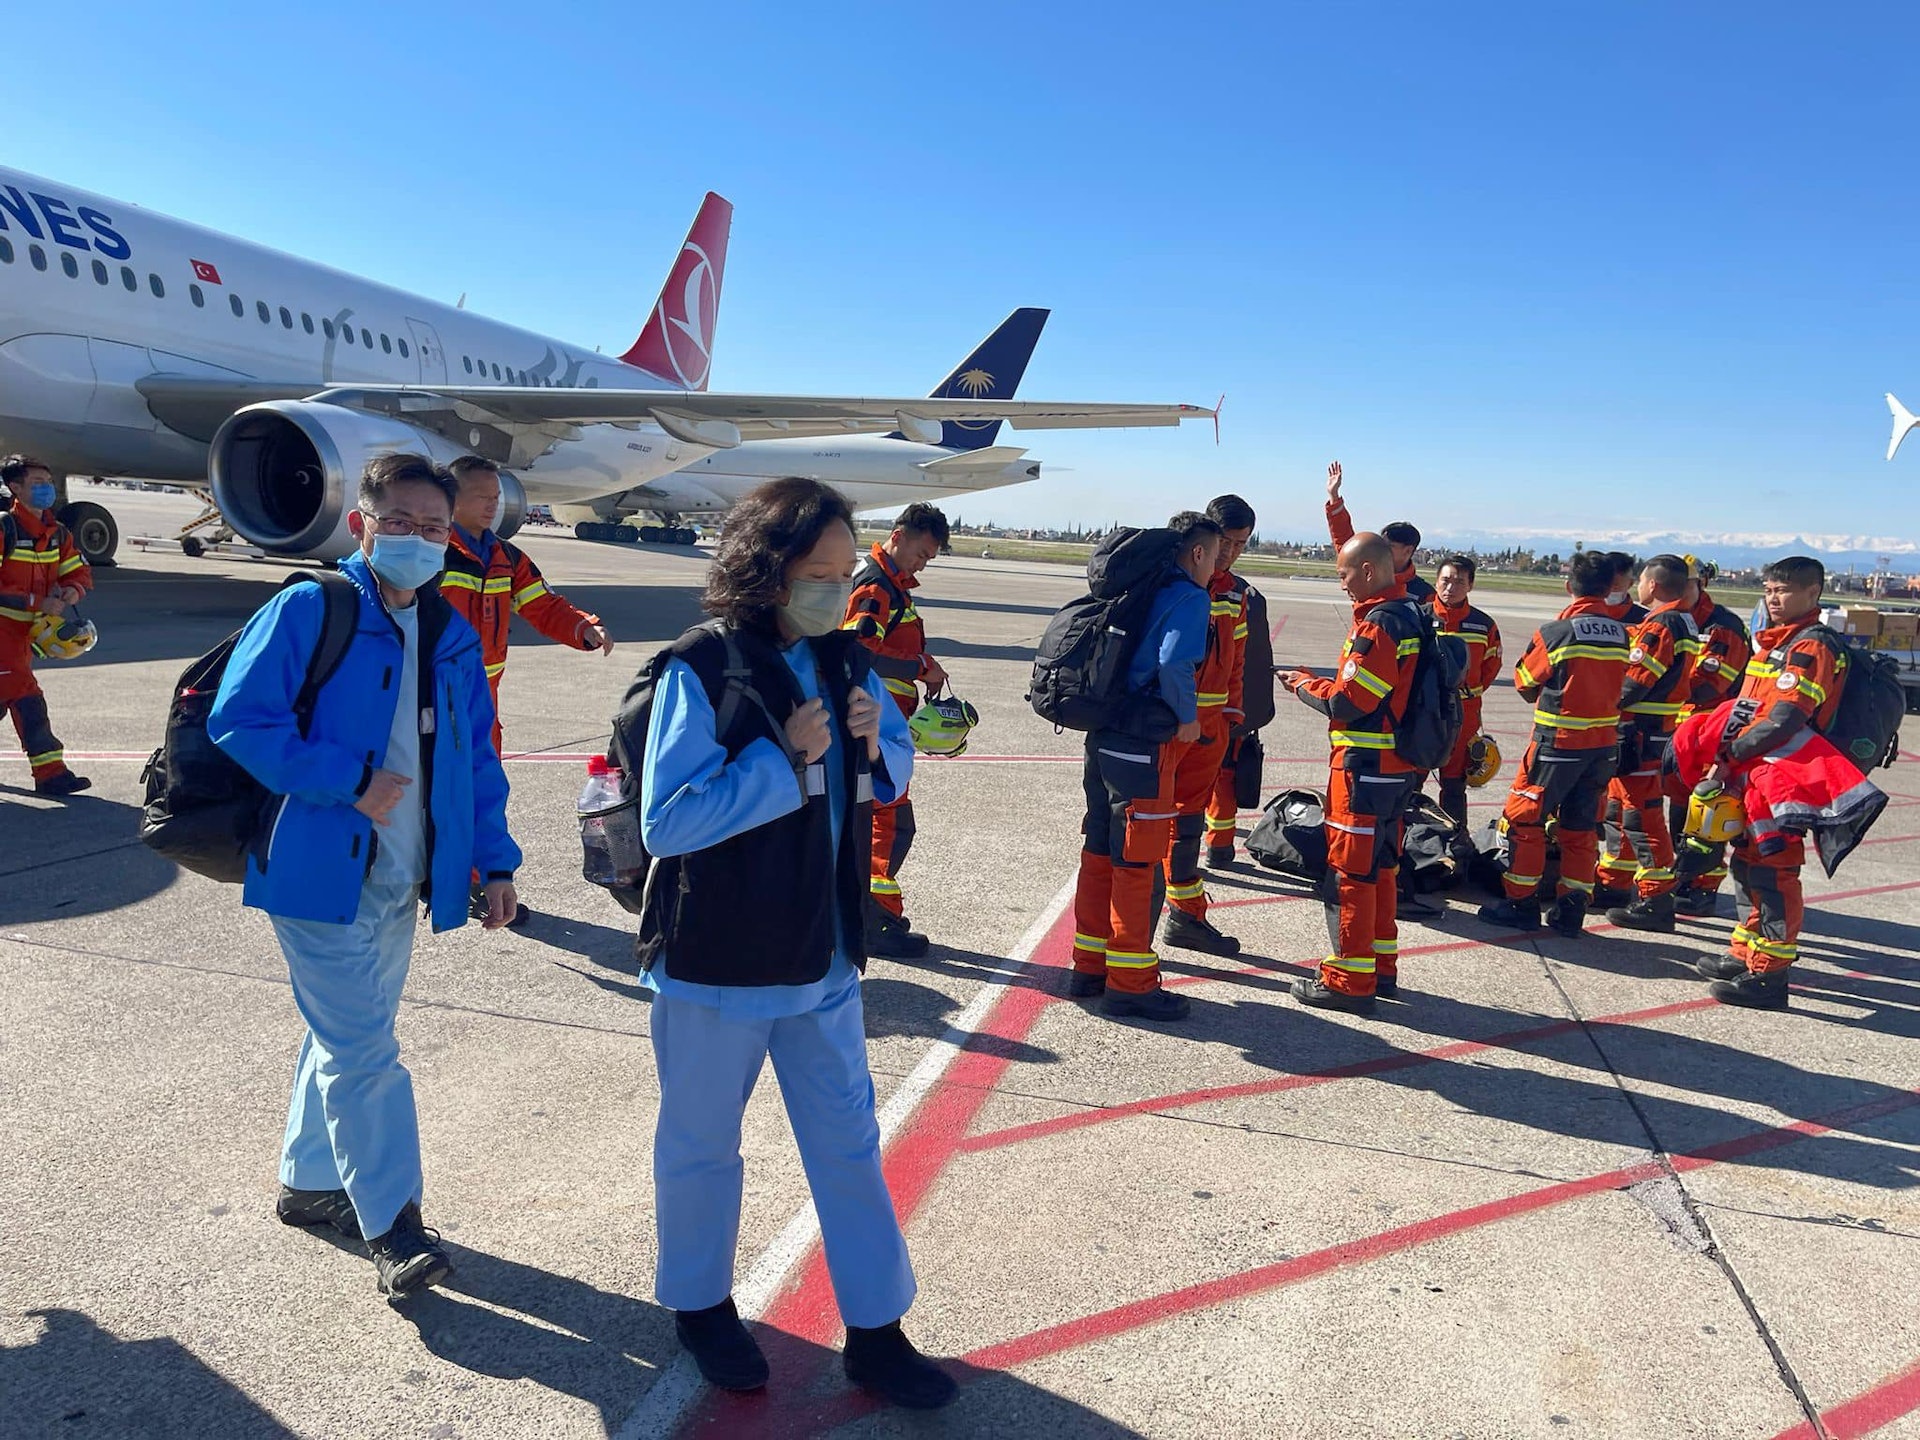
column 65, row 783
column 1649, row 912
column 1755, row 992
column 885, row 1362
column 1721, row 967
column 1309, row 991
column 1697, row 904
column 408, row 1257
column 726, row 1352
column 1514, row 914
column 1569, row 917
column 1221, row 857
column 1196, row 932
column 1084, row 984
column 311, row 1209
column 1155, row 1004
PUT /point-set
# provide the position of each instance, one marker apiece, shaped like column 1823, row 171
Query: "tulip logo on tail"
column 677, row 344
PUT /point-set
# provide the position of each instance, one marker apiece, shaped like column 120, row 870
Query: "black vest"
column 759, row 908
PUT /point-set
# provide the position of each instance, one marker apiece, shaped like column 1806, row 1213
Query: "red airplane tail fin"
column 677, row 344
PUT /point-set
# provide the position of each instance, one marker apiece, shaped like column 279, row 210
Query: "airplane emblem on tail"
column 974, row 382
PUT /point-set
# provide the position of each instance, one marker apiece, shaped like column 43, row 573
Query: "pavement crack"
column 1683, row 1217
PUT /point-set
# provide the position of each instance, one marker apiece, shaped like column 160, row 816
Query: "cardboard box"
column 1899, row 630
column 1862, row 620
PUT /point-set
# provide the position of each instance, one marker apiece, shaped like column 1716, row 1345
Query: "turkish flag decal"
column 202, row 270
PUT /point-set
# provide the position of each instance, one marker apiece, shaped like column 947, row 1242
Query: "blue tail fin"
column 993, row 372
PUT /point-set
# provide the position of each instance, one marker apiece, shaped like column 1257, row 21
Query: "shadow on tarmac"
column 899, row 1007
column 77, row 1379
column 86, row 858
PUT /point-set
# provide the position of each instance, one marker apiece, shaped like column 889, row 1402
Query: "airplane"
column 135, row 344
column 1903, row 421
column 874, row 470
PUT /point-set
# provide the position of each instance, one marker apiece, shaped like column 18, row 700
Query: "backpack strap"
column 732, row 683
column 339, row 619
column 9, row 535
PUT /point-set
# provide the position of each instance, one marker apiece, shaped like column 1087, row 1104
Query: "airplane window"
column 239, row 308
column 496, row 371
column 386, row 344
column 261, row 308
column 286, row 318
column 69, row 264
column 6, row 252
column 467, row 360
column 326, row 327
column 306, row 322
column 403, row 349
column 128, row 278
column 199, row 297
column 366, row 337
column 99, row 272
column 159, row 290
column 38, row 256
column 347, row 330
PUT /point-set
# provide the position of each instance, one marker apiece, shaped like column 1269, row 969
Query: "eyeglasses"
column 400, row 525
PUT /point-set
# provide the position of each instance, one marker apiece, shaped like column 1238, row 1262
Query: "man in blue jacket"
column 389, row 800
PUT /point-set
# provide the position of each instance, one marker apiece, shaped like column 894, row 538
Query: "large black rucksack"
column 203, row 809
column 1257, row 688
column 1291, row 835
column 1430, row 846
column 1866, row 724
column 1425, row 735
column 1080, row 668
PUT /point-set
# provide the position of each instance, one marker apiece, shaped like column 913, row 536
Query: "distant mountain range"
column 1731, row 550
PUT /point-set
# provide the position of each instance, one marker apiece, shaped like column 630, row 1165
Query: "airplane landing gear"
column 668, row 535
column 94, row 531
column 606, row 532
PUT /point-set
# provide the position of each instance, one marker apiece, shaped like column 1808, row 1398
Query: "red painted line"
column 1278, row 626
column 1888, row 840
column 1892, row 1398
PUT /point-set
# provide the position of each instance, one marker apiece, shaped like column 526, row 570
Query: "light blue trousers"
column 708, row 1066
column 352, row 1124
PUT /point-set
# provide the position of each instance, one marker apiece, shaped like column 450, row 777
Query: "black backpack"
column 1866, row 724
column 1080, row 668
column 1426, row 734
column 1291, row 835
column 1257, row 688
column 203, row 809
column 1429, row 847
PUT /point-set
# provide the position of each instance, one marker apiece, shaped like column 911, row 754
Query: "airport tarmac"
column 1553, row 1190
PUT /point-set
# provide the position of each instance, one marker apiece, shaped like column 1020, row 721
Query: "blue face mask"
column 40, row 496
column 406, row 562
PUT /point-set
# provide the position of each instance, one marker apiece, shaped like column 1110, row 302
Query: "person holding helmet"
column 1402, row 535
column 1473, row 628
column 42, row 574
column 882, row 616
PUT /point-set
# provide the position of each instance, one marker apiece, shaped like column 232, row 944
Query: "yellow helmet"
column 1483, row 760
column 61, row 637
column 940, row 727
column 1715, row 816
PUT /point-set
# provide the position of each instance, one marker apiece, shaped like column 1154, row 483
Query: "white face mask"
column 816, row 607
column 1618, row 597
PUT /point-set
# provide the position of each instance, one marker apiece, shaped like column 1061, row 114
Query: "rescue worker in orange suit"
column 1793, row 682
column 1129, row 782
column 1369, row 786
column 1713, row 676
column 1402, row 535
column 1475, row 630
column 1664, row 646
column 42, row 573
column 488, row 581
column 881, row 614
column 1249, row 708
column 1204, row 767
column 1572, row 672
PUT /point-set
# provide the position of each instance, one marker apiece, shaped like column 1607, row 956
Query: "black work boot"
column 884, row 1361
column 1221, row 857
column 1608, row 896
column 727, row 1354
column 408, row 1257
column 1386, row 985
column 1649, row 912
column 1755, row 992
column 889, row 937
column 1697, row 904
column 65, row 783
column 1196, row 932
column 1569, row 915
column 1309, row 991
column 311, row 1209
column 1514, row 914
column 1159, row 1004
column 1721, row 967
column 1085, row 984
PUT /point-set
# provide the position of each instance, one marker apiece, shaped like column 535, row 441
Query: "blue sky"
column 1639, row 265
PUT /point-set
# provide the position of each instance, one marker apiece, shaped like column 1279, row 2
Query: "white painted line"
column 669, row 1398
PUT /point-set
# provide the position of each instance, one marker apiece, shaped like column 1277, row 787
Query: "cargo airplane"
column 133, row 344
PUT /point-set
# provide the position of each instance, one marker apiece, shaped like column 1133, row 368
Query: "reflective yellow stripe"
column 1406, row 648
column 1574, row 722
column 1648, row 663
column 1584, row 887
column 36, row 557
column 1094, row 943
column 1818, row 692
column 1648, row 872
column 1526, row 880
column 1218, row 826
column 454, row 580
column 496, row 668
column 528, row 595
column 900, row 687
column 1775, row 949
column 1760, row 669
column 1192, row 891
column 881, row 885
column 1523, row 676
column 1586, row 652
column 51, row 757
column 1352, row 964
column 1205, row 699
column 1386, row 947
column 11, row 614
column 1686, row 647
column 1361, row 740
column 73, row 563
column 1131, row 959
column 1653, row 707
column 1225, row 607
column 1372, row 683
column 1240, row 631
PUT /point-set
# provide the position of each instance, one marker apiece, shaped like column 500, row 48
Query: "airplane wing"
column 196, row 405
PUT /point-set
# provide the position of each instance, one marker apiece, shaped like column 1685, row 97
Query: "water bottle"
column 599, row 795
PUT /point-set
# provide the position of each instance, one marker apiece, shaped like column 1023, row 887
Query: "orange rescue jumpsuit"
column 41, row 559
column 1572, row 672
column 1665, row 645
column 1220, row 681
column 1794, row 680
column 881, row 613
column 1368, row 785
column 1474, row 629
column 488, row 593
column 1712, row 677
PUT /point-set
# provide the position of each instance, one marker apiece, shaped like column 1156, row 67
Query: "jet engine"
column 285, row 473
column 513, row 506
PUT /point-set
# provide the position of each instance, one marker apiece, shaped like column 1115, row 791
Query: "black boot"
column 64, row 783
column 1386, row 986
column 311, row 1209
column 1221, row 857
column 727, row 1354
column 1608, row 896
column 1755, row 992
column 1697, row 904
column 1514, row 914
column 884, row 1361
column 1155, row 1004
column 1084, row 984
column 1569, row 915
column 1649, row 912
column 408, row 1257
column 1721, row 967
column 1195, row 932
column 889, row 937
column 1309, row 991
